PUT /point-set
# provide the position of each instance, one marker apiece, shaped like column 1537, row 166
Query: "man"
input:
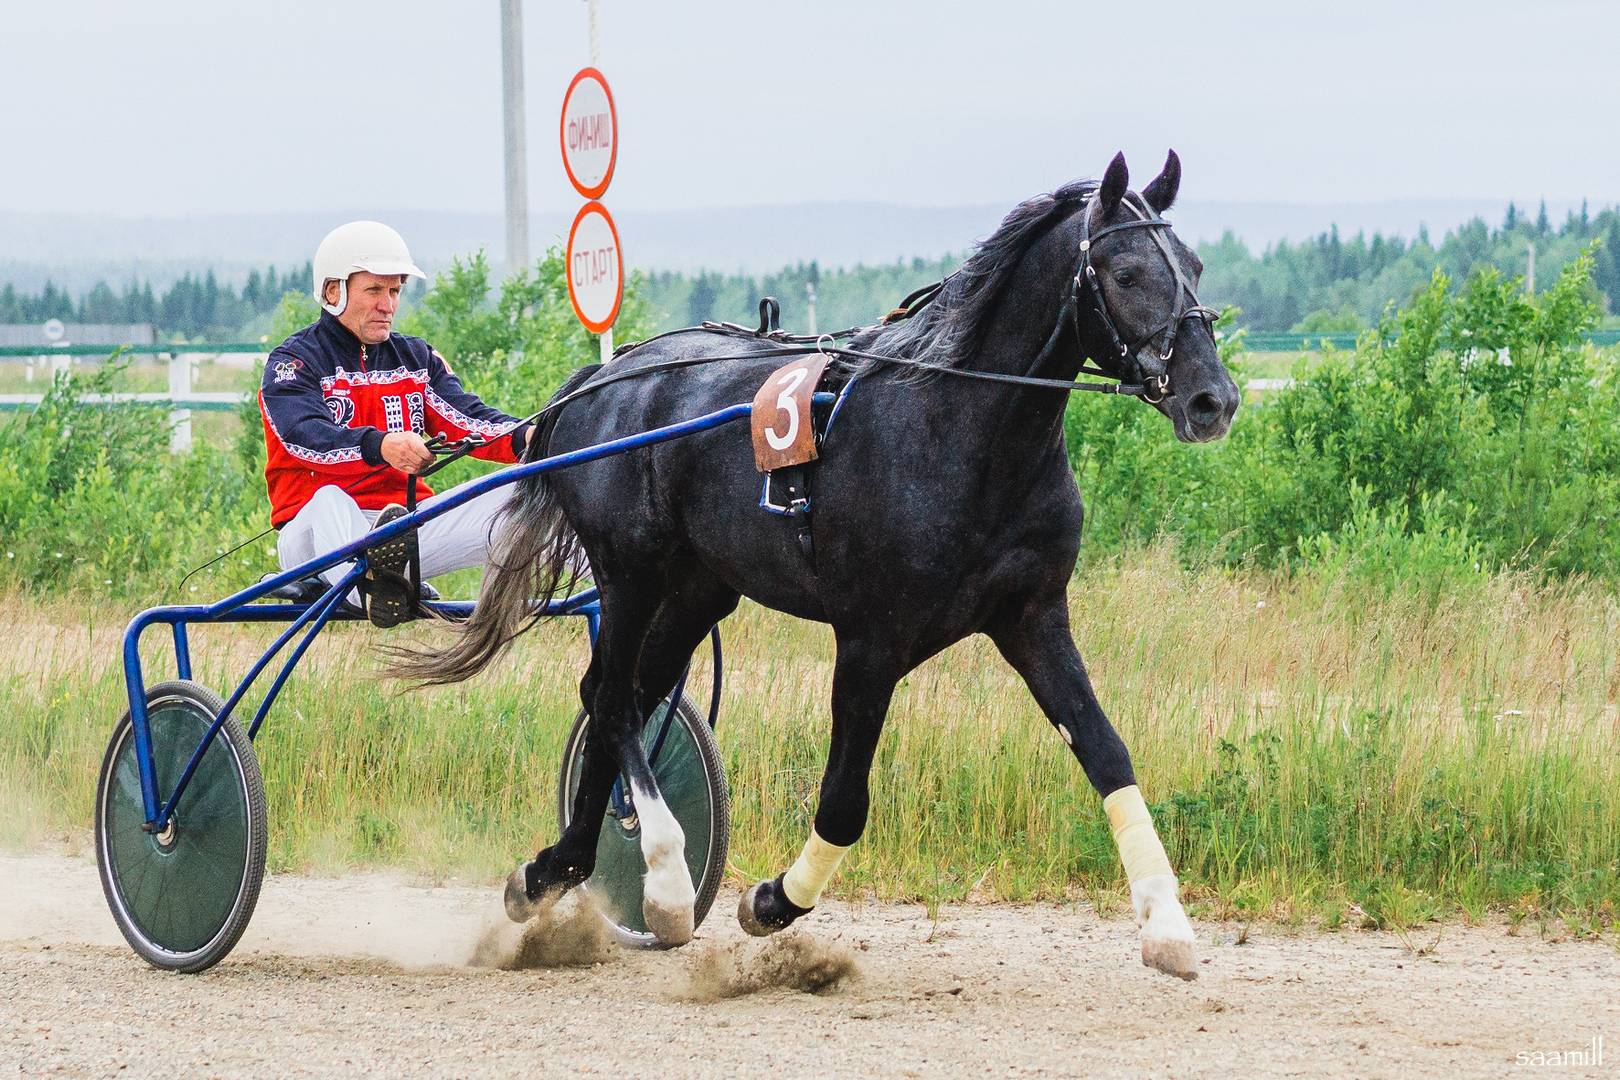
column 346, row 403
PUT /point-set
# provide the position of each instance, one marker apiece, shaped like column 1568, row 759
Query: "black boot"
column 386, row 588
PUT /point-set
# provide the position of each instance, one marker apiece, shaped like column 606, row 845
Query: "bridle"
column 1151, row 372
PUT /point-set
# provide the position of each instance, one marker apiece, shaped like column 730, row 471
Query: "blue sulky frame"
column 240, row 607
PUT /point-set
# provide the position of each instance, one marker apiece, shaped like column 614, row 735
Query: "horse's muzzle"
column 1204, row 416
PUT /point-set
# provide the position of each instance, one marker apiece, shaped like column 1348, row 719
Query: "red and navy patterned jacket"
column 328, row 400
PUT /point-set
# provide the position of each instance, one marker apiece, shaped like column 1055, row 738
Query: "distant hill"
column 77, row 250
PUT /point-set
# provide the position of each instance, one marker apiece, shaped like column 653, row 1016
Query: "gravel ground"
column 370, row 973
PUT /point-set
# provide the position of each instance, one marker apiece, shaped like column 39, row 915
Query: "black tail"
column 533, row 559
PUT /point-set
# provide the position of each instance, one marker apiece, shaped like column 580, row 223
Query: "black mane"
column 950, row 327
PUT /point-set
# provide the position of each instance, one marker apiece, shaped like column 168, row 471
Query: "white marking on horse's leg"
column 1167, row 936
column 809, row 874
column 667, row 894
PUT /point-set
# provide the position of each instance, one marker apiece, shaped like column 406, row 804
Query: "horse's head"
column 1138, row 315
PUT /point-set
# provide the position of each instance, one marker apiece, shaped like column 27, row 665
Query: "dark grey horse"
column 943, row 507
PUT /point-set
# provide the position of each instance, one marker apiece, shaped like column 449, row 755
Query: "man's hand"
column 406, row 451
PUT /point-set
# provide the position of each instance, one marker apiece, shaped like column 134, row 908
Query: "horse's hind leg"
column 572, row 858
column 683, row 618
column 606, row 694
column 1035, row 638
column 864, row 678
column 664, row 644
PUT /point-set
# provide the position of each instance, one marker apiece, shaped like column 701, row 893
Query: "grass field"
column 1313, row 749
column 145, row 375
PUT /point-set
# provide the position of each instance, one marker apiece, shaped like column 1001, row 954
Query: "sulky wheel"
column 182, row 897
column 693, row 782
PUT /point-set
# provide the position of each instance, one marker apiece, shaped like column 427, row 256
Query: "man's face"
column 373, row 301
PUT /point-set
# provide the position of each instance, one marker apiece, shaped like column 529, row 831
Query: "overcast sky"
column 222, row 107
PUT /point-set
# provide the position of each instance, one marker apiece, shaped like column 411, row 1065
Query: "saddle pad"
column 783, row 433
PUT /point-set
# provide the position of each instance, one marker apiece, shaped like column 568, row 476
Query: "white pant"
column 331, row 519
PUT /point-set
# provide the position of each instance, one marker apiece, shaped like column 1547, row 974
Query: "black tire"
column 692, row 780
column 182, row 899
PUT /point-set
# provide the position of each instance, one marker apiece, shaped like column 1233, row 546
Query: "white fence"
column 182, row 361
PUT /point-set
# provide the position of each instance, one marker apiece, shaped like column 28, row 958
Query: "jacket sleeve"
column 295, row 412
column 455, row 412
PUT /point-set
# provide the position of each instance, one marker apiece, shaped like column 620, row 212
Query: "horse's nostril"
column 1204, row 408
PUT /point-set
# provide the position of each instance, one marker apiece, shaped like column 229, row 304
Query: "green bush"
column 1471, row 428
column 1475, row 419
column 90, row 498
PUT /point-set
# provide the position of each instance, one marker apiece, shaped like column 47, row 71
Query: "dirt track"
column 367, row 973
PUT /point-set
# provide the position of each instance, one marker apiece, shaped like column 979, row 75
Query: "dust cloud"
column 792, row 961
column 569, row 933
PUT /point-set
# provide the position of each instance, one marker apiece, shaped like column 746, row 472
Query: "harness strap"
column 917, row 299
column 414, row 575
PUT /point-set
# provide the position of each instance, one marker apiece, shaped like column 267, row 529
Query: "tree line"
column 195, row 307
column 1325, row 284
column 1331, row 283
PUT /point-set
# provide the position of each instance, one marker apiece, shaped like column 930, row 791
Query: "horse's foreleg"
column 863, row 683
column 1037, row 642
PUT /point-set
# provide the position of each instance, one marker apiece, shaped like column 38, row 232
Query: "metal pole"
column 517, row 181
column 179, row 417
column 605, row 340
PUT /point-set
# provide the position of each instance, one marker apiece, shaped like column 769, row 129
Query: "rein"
column 1142, row 383
column 1138, row 381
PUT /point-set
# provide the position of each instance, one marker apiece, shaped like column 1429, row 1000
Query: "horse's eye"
column 1125, row 278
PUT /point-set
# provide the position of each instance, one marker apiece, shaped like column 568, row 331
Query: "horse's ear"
column 1162, row 192
column 1114, row 184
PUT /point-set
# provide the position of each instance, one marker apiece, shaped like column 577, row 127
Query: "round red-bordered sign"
column 589, row 133
column 595, row 267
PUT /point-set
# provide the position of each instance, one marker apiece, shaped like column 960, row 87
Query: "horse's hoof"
column 671, row 926
column 765, row 909
column 520, row 908
column 1171, row 956
column 667, row 902
column 1167, row 936
column 746, row 917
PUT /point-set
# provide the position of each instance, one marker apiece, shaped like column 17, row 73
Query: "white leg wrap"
column 1139, row 846
column 1167, row 936
column 810, row 873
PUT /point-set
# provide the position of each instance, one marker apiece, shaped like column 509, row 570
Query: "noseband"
column 1152, row 375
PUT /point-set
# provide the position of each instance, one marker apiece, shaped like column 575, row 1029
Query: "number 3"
column 785, row 403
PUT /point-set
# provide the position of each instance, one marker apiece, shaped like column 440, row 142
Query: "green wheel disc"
column 182, row 897
column 693, row 782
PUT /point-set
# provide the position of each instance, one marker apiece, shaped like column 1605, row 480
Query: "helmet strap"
column 343, row 296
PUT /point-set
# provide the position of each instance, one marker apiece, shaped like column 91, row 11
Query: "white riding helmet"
column 359, row 245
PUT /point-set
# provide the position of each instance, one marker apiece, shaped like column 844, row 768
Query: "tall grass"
column 1311, row 744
